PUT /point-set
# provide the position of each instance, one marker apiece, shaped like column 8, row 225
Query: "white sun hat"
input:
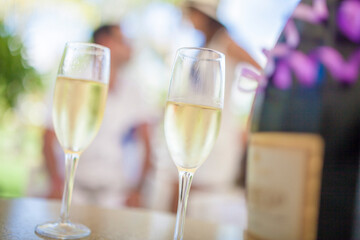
column 208, row 7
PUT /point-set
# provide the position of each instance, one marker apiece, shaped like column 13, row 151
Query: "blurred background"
column 32, row 38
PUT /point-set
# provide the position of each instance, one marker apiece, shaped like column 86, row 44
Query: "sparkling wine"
column 77, row 111
column 191, row 131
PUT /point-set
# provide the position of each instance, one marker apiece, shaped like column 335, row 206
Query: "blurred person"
column 112, row 170
column 215, row 183
column 202, row 14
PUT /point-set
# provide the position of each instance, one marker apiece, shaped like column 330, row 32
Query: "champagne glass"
column 78, row 108
column 193, row 116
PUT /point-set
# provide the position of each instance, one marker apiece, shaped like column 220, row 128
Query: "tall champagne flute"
column 78, row 108
column 193, row 116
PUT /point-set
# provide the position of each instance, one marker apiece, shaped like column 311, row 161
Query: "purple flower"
column 348, row 19
column 282, row 75
column 304, row 67
column 315, row 13
column 344, row 71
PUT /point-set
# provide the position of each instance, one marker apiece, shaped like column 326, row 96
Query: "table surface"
column 18, row 218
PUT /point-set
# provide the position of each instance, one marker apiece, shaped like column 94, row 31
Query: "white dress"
column 222, row 167
column 214, row 195
column 112, row 164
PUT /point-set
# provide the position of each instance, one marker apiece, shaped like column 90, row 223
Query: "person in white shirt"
column 112, row 170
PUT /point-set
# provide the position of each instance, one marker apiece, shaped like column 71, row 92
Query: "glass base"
column 63, row 230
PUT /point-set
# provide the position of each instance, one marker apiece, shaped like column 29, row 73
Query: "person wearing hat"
column 203, row 15
column 216, row 179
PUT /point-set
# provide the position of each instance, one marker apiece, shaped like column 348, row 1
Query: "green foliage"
column 16, row 76
column 18, row 142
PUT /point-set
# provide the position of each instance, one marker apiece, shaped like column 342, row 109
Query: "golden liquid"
column 190, row 131
column 78, row 110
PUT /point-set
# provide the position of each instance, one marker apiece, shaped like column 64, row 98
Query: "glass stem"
column 185, row 179
column 71, row 161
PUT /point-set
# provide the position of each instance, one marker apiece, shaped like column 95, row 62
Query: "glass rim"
column 87, row 44
column 220, row 56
